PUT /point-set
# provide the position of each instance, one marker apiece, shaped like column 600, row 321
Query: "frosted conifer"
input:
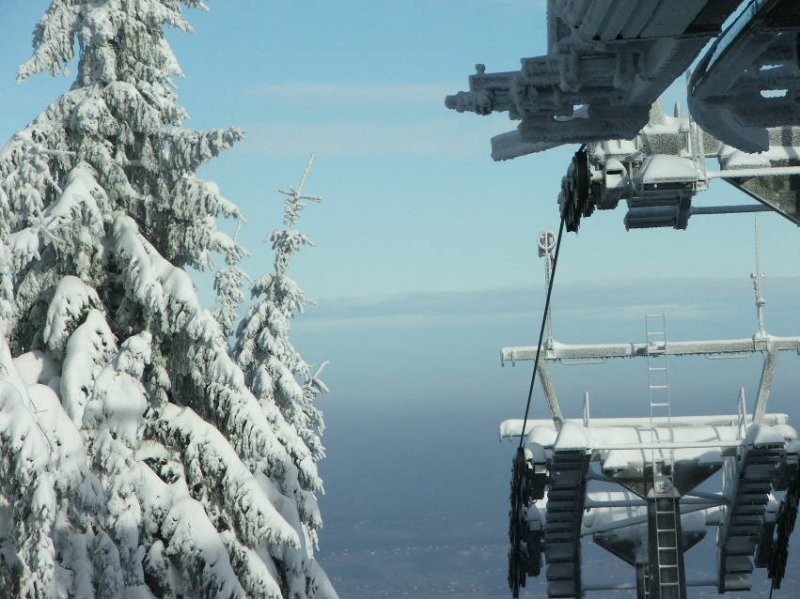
column 274, row 370
column 135, row 460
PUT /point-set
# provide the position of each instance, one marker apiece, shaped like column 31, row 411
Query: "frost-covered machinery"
column 607, row 63
column 658, row 173
column 632, row 485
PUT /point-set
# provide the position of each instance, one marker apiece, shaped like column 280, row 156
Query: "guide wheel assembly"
column 525, row 554
column 576, row 199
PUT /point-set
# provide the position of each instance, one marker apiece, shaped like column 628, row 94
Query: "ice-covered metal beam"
column 511, row 429
column 602, row 351
column 550, row 393
column 765, row 385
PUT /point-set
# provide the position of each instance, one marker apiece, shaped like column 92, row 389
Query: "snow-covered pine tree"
column 135, row 460
column 274, row 370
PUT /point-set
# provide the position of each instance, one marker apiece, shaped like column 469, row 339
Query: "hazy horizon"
column 416, row 478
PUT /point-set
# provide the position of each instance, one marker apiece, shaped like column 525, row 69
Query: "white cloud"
column 683, row 300
column 350, row 94
column 437, row 137
column 359, row 119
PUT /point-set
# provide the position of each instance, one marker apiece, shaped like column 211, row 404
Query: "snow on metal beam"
column 600, row 351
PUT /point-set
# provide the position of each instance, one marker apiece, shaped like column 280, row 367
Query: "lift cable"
column 542, row 328
column 524, row 556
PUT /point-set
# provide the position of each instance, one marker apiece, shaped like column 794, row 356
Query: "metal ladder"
column 668, row 564
column 658, row 386
column 666, row 557
column 657, row 370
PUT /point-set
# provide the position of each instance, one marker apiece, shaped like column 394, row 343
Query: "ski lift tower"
column 598, row 85
column 656, row 463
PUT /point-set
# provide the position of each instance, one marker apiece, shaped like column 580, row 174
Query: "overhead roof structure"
column 749, row 80
column 607, row 61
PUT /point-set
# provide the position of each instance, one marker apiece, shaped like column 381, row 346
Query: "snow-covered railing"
column 513, row 427
column 564, row 351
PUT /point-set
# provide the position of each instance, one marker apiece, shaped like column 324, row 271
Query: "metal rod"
column 635, row 520
column 626, row 586
column 550, row 395
column 730, row 209
column 757, row 277
column 603, row 503
column 738, row 173
column 764, row 387
column 622, row 586
column 709, row 496
column 687, row 445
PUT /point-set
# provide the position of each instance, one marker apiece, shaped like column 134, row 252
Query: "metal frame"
column 750, row 449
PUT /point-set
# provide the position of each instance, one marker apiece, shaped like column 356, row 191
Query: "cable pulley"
column 576, row 199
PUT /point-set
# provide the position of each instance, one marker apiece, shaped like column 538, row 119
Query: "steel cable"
column 542, row 328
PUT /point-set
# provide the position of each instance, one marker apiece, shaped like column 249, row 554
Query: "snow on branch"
column 261, row 436
column 142, row 280
column 192, row 549
column 53, row 40
column 212, row 464
column 38, row 441
column 145, row 467
column 88, row 351
column 256, row 571
column 188, row 149
column 71, row 301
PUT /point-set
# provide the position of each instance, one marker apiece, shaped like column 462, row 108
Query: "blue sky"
column 426, row 262
column 413, row 201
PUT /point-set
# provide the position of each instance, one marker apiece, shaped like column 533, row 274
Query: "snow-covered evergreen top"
column 273, row 368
